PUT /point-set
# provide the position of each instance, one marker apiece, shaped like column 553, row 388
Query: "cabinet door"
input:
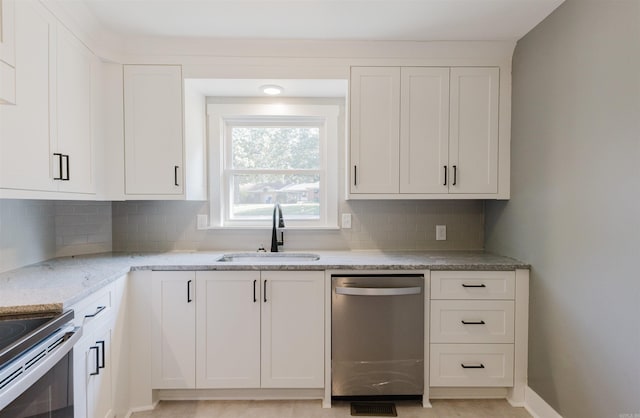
column 153, row 129
column 473, row 153
column 173, row 332
column 424, row 130
column 99, row 388
column 228, row 337
column 7, row 53
column 293, row 329
column 26, row 147
column 375, row 129
column 73, row 113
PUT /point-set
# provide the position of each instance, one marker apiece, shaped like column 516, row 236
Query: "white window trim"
column 218, row 114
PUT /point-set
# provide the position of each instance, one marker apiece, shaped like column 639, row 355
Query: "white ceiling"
column 384, row 20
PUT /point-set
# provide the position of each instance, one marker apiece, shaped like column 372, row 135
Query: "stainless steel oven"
column 36, row 366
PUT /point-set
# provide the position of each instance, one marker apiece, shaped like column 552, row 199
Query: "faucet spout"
column 274, row 230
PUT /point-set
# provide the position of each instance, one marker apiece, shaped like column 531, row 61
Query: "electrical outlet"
column 441, row 232
column 346, row 220
column 202, row 221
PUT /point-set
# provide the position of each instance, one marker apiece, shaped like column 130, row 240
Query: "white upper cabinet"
column 7, row 52
column 427, row 133
column 424, row 132
column 473, row 153
column 153, row 131
column 46, row 140
column 73, row 113
column 26, row 143
column 375, row 129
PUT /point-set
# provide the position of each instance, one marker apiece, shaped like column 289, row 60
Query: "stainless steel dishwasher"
column 377, row 335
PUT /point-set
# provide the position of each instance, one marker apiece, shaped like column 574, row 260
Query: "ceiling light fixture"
column 272, row 89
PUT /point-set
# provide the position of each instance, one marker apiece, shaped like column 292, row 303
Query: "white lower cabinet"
column 472, row 329
column 93, row 364
column 238, row 329
column 173, row 330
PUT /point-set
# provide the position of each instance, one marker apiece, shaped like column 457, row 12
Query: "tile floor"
column 490, row 408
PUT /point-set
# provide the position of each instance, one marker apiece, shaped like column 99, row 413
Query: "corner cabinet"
column 236, row 330
column 426, row 133
column 153, row 132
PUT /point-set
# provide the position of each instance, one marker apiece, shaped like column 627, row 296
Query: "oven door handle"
column 31, row 376
column 378, row 291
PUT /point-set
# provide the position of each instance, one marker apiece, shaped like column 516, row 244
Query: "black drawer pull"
column 265, row 290
column 66, row 157
column 102, row 355
column 175, row 175
column 254, row 291
column 473, row 366
column 445, row 175
column 98, row 310
column 189, row 300
column 481, row 322
column 97, row 372
column 57, row 154
column 455, row 175
column 473, row 285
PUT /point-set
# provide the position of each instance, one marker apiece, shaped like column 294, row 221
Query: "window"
column 267, row 154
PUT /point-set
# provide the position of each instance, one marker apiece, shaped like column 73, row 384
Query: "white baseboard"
column 537, row 406
column 141, row 409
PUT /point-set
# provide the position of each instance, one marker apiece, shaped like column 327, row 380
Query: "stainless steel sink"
column 269, row 257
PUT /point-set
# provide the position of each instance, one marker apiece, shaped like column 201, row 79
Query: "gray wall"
column 385, row 225
column 575, row 207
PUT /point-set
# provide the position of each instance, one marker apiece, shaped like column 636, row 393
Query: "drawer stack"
column 472, row 328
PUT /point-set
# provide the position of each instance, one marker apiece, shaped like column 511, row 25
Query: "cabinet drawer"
column 472, row 284
column 471, row 365
column 93, row 308
column 472, row 321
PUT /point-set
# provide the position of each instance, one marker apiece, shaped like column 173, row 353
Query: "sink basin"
column 269, row 257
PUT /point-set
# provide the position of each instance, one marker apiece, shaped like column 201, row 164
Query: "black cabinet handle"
column 455, row 175
column 97, row 372
column 254, row 291
column 265, row 290
column 355, row 175
column 98, row 310
column 189, row 300
column 66, row 157
column 473, row 285
column 57, row 154
column 481, row 322
column 445, row 175
column 473, row 366
column 102, row 355
column 175, row 175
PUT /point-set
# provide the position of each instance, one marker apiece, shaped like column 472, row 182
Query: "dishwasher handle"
column 378, row 291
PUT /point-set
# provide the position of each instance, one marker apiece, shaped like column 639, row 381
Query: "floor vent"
column 373, row 409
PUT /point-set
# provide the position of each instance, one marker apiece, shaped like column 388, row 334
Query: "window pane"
column 293, row 147
column 253, row 196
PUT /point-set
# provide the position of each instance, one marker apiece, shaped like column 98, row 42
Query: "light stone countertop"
column 56, row 284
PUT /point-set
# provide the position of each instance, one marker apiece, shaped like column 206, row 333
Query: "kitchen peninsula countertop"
column 56, row 284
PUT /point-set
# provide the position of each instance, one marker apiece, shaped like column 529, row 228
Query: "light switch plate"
column 441, row 232
column 346, row 220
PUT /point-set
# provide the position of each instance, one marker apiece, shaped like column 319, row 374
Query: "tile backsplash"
column 36, row 230
column 82, row 227
column 386, row 225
